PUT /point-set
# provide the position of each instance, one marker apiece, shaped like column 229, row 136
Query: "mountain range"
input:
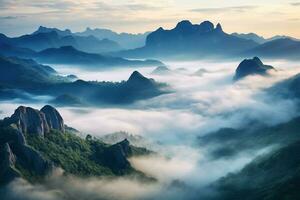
column 284, row 48
column 31, row 77
column 188, row 39
column 70, row 55
column 185, row 41
column 205, row 40
column 45, row 38
column 126, row 40
column 259, row 39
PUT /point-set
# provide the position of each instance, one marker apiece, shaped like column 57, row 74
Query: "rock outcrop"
column 53, row 118
column 7, row 161
column 35, row 122
column 251, row 67
column 16, row 154
column 29, row 121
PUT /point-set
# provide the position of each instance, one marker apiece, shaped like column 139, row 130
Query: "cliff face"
column 35, row 122
column 53, row 118
column 15, row 154
column 29, row 121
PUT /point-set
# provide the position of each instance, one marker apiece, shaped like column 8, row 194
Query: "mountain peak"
column 252, row 66
column 219, row 28
column 53, row 118
column 207, row 26
column 36, row 122
column 184, row 24
column 136, row 76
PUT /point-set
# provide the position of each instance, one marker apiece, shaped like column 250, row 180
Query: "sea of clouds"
column 198, row 105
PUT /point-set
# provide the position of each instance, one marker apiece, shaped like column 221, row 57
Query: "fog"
column 199, row 105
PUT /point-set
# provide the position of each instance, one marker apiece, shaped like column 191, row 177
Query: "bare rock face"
column 35, row 122
column 53, row 118
column 14, row 151
column 7, row 161
column 30, row 121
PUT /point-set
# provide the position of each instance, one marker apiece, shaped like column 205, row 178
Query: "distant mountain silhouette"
column 10, row 50
column 46, row 38
column 251, row 36
column 161, row 70
column 17, row 72
column 279, row 48
column 43, row 29
column 66, row 100
column 18, row 76
column 259, row 39
column 70, row 55
column 126, row 40
column 251, row 67
column 191, row 40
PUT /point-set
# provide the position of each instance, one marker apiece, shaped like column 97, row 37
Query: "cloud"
column 10, row 17
column 224, row 9
column 295, row 4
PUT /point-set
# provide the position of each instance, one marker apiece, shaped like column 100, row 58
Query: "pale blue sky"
column 267, row 18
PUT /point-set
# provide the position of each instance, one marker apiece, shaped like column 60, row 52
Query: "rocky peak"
column 137, row 77
column 29, row 120
column 206, row 26
column 252, row 66
column 219, row 28
column 53, row 118
column 183, row 25
column 35, row 122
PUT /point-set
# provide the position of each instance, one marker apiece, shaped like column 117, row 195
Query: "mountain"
column 280, row 48
column 200, row 72
column 66, row 100
column 70, row 55
column 272, row 176
column 259, row 39
column 10, row 50
column 251, row 67
column 43, row 29
column 53, row 38
column 288, row 88
column 191, row 40
column 17, row 72
column 229, row 142
column 251, row 36
column 126, row 40
column 161, row 70
column 34, row 142
column 26, row 76
column 136, row 140
column 137, row 87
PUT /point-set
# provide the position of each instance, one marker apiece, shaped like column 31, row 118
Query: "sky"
column 266, row 18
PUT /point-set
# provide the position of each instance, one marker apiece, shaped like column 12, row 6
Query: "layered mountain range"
column 205, row 40
column 28, row 76
column 126, row 40
column 185, row 41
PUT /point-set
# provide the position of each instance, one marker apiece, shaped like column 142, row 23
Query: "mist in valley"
column 198, row 105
